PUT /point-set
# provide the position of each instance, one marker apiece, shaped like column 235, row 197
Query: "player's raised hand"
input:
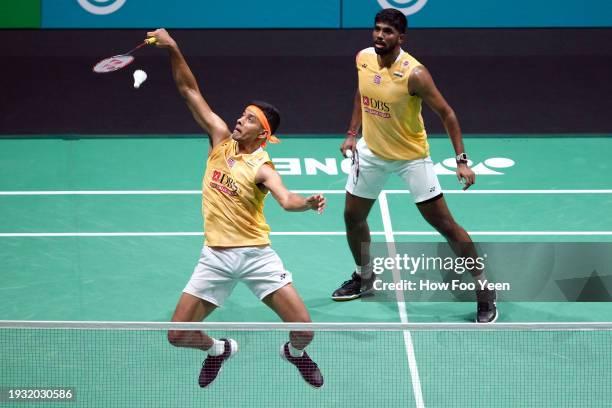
column 317, row 202
column 162, row 38
column 465, row 175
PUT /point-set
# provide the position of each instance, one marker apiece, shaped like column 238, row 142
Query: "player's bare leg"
column 437, row 214
column 356, row 211
column 193, row 309
column 288, row 305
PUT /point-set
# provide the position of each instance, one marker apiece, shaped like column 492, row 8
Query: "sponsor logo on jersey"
column 375, row 107
column 224, row 183
column 384, row 115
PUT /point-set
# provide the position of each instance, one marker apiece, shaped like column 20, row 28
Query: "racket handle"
column 150, row 40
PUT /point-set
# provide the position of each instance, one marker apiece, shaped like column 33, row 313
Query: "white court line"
column 604, row 191
column 199, row 192
column 298, row 233
column 512, row 233
column 97, row 234
column 100, row 192
column 401, row 304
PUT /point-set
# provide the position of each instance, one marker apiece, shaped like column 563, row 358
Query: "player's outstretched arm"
column 270, row 178
column 421, row 83
column 187, row 86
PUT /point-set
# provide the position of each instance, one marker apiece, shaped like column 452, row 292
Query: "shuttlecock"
column 139, row 77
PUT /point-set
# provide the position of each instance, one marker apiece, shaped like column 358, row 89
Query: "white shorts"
column 218, row 271
column 369, row 173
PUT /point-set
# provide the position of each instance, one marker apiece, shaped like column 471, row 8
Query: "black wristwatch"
column 461, row 158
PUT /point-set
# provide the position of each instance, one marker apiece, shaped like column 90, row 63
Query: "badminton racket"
column 114, row 63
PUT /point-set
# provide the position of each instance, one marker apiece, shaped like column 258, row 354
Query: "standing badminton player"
column 238, row 176
column 391, row 86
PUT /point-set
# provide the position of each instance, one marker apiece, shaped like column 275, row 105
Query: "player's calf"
column 302, row 338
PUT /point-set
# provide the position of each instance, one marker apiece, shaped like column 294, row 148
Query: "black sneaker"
column 349, row 290
column 308, row 369
column 212, row 365
column 486, row 308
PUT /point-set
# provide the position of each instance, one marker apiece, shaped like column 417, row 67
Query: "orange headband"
column 264, row 122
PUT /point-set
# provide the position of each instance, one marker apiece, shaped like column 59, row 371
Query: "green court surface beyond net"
column 364, row 366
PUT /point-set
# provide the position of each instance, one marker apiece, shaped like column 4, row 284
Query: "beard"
column 384, row 50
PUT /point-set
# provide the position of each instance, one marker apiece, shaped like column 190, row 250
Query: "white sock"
column 359, row 268
column 217, row 348
column 295, row 352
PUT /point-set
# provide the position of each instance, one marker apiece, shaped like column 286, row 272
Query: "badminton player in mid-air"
column 238, row 176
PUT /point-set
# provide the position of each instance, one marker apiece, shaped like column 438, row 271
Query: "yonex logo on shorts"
column 101, row 7
column 407, row 7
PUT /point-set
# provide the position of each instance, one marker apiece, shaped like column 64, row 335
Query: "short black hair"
column 394, row 18
column 272, row 114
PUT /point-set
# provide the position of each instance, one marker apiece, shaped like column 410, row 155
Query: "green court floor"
column 110, row 230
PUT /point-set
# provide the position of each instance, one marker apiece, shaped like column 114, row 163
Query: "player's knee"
column 175, row 337
column 352, row 218
column 446, row 227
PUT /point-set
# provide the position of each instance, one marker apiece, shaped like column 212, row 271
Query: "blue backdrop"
column 321, row 13
column 191, row 14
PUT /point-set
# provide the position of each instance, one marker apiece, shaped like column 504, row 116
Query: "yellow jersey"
column 391, row 118
column 232, row 204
